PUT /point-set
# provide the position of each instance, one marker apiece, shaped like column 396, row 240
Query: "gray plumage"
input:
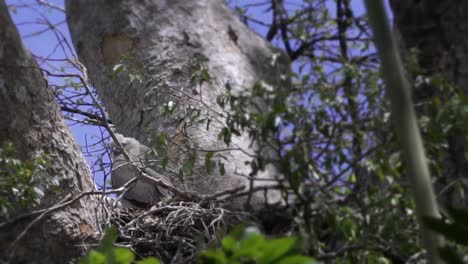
column 144, row 192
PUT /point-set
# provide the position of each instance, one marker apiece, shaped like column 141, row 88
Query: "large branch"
column 33, row 122
column 407, row 130
column 163, row 39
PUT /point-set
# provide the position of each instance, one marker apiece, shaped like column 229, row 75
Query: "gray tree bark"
column 438, row 30
column 33, row 122
column 163, row 39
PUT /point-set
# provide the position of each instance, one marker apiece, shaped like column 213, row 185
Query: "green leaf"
column 118, row 68
column 349, row 228
column 213, row 256
column 193, row 80
column 165, row 161
column 229, row 243
column 137, row 77
column 205, row 76
column 222, row 171
column 94, row 257
column 235, row 131
column 296, row 259
column 252, row 240
column 220, row 100
column 123, row 255
column 209, row 164
column 208, row 122
column 276, row 248
column 108, row 240
column 228, row 86
column 150, row 260
column 225, row 135
column 187, row 167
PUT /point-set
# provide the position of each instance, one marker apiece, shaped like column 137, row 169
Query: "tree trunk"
column 33, row 122
column 438, row 31
column 165, row 42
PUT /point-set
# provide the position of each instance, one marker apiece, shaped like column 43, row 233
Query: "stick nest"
column 175, row 232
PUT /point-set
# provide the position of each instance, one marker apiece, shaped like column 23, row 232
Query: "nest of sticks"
column 174, row 232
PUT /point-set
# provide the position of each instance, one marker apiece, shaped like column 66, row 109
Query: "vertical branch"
column 344, row 19
column 406, row 126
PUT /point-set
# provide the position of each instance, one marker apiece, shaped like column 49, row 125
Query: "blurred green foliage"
column 20, row 183
column 243, row 245
column 248, row 245
column 107, row 253
column 453, row 226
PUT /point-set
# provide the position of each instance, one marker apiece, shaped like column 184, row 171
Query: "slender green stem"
column 398, row 90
